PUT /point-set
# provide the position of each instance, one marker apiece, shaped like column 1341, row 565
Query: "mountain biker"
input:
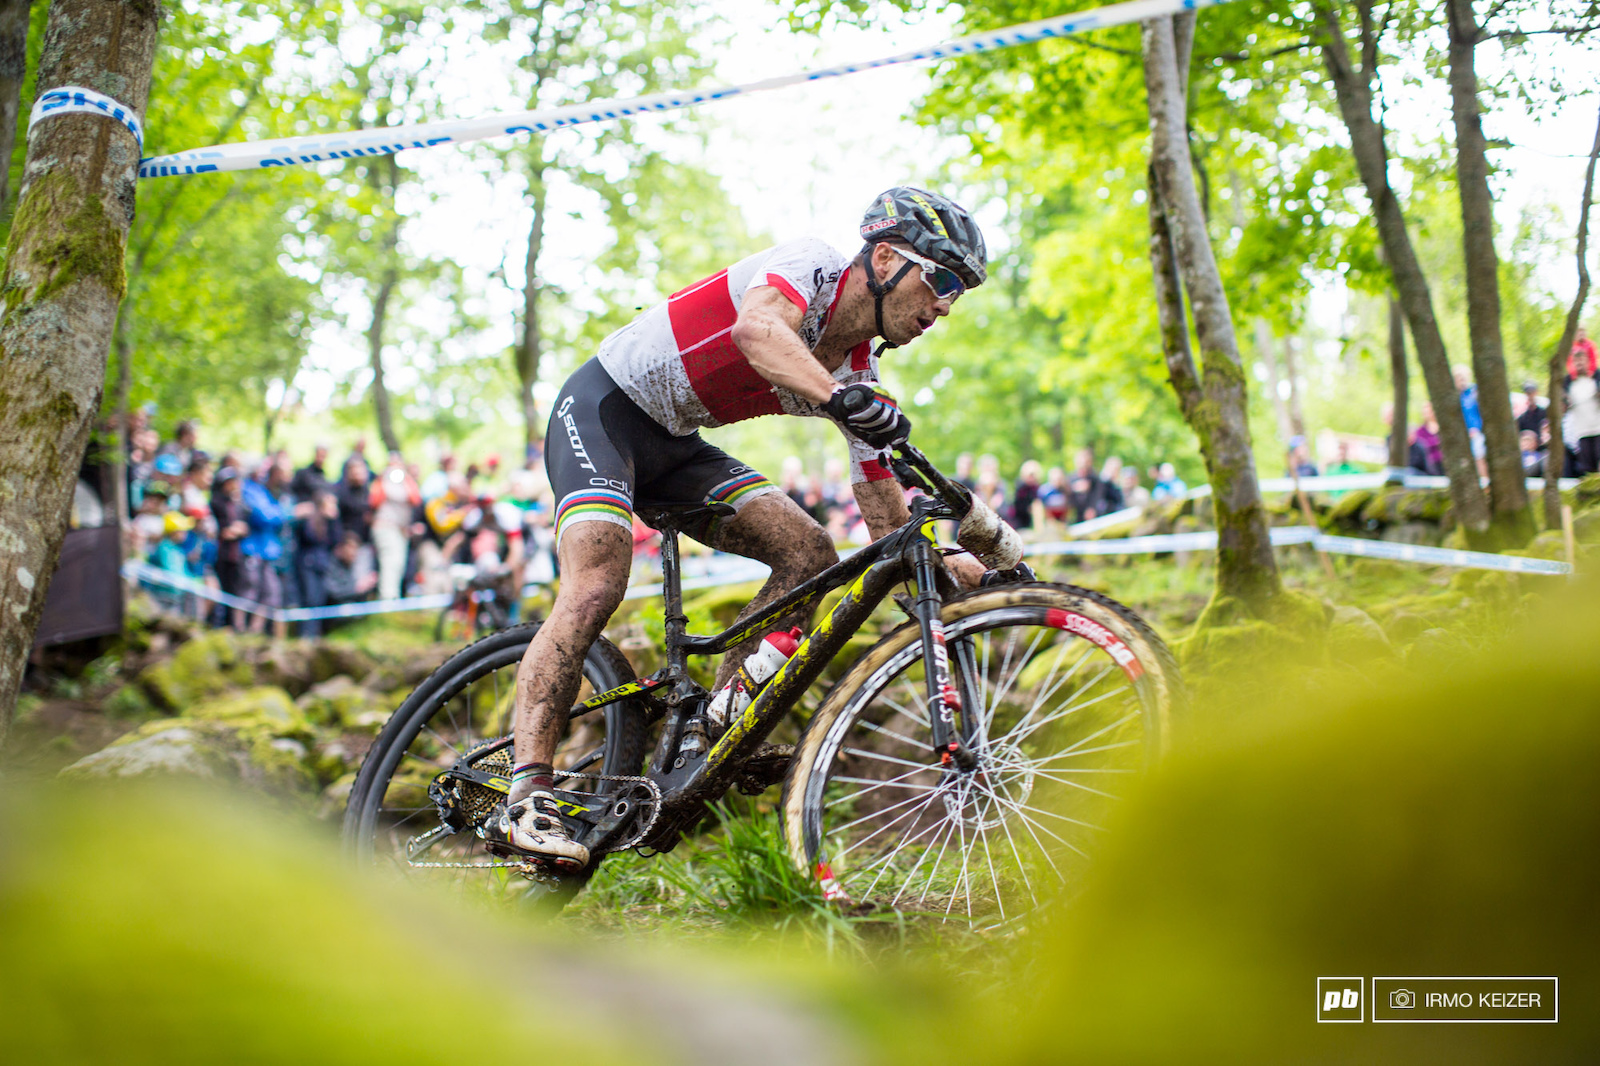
column 784, row 331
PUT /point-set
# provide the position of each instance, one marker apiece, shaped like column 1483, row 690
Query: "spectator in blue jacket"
column 262, row 547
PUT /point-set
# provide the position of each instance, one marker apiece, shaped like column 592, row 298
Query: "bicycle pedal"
column 767, row 767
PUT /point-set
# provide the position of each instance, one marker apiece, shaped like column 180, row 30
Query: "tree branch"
column 1565, row 31
column 1246, row 57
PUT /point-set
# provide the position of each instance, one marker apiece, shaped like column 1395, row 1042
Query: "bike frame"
column 909, row 555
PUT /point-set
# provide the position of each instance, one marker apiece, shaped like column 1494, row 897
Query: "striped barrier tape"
column 291, row 151
column 748, row 570
column 134, row 570
column 76, row 100
column 1283, row 536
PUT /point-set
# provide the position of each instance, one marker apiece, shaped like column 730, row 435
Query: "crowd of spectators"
column 316, row 535
column 1036, row 499
column 1580, row 424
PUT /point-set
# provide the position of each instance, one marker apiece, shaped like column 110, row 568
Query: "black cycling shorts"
column 602, row 453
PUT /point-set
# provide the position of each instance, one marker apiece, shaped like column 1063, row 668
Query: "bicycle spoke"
column 886, row 861
column 893, row 806
column 1016, row 738
column 912, row 813
column 1044, row 696
column 863, row 753
column 919, row 745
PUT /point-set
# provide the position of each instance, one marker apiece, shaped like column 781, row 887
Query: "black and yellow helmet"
column 934, row 227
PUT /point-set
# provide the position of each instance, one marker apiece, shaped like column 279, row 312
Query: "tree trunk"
column 14, row 16
column 1354, row 93
column 1291, row 373
column 1508, row 490
column 1246, row 568
column 63, row 281
column 1400, row 382
column 388, row 279
column 119, row 460
column 530, row 347
column 1556, row 456
column 380, row 391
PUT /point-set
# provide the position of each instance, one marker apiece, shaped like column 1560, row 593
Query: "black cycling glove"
column 870, row 414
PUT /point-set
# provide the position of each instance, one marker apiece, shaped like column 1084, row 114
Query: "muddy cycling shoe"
column 533, row 827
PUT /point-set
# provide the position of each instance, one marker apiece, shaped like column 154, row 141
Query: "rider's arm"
column 766, row 332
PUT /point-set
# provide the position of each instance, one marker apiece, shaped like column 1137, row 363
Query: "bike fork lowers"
column 944, row 699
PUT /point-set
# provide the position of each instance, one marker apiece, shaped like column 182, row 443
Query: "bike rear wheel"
column 459, row 708
column 1068, row 696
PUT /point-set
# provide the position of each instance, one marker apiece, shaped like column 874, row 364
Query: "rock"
column 1412, row 533
column 337, row 701
column 209, row 750
column 332, row 658
column 263, row 709
column 204, row 667
column 286, row 664
column 180, row 751
column 1586, row 526
column 1353, row 637
column 1345, row 514
column 1403, row 627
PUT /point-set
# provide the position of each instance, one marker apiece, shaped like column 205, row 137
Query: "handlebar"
column 915, row 471
column 982, row 532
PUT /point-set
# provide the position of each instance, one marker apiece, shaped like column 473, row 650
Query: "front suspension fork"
column 944, row 699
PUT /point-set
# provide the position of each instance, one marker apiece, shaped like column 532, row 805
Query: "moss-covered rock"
column 1355, row 638
column 288, row 664
column 1587, row 493
column 206, row 666
column 205, row 749
column 1346, row 512
column 1586, row 526
column 341, row 703
column 262, row 709
column 332, row 658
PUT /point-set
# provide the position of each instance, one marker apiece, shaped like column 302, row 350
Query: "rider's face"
column 911, row 309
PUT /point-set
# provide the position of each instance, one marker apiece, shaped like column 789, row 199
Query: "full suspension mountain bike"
column 962, row 768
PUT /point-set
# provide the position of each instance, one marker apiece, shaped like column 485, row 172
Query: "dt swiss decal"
column 1098, row 634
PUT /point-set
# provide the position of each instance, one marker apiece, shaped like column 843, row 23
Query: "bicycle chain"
column 528, row 868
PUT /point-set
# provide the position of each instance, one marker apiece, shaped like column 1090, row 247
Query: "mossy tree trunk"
column 1508, row 488
column 63, row 281
column 1555, row 457
column 388, row 280
column 1212, row 398
column 1400, row 386
column 13, row 72
column 1352, row 86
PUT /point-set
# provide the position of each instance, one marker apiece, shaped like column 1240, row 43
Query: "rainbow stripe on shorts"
column 594, row 505
column 740, row 490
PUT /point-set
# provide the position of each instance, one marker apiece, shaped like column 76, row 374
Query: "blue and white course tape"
column 291, row 151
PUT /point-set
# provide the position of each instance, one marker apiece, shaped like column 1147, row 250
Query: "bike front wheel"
column 1067, row 696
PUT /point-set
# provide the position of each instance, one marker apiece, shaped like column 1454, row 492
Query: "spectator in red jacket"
column 1584, row 362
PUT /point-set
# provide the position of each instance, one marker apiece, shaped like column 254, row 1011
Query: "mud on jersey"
column 678, row 362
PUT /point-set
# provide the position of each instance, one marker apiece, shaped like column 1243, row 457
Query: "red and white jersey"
column 678, row 362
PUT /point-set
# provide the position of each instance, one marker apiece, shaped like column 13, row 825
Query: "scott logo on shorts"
column 563, row 413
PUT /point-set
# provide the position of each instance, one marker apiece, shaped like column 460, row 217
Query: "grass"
column 735, row 883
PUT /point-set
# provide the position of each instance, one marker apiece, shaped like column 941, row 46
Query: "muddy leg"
column 595, row 559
